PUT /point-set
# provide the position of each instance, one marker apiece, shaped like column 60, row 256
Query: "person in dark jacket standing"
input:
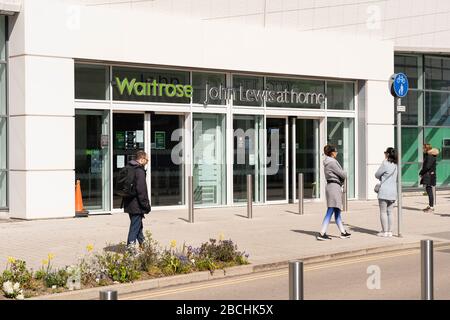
column 139, row 204
column 428, row 174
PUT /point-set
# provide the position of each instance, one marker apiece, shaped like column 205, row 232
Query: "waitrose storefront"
column 217, row 126
column 84, row 95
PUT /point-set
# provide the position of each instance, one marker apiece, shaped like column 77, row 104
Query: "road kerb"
column 164, row 282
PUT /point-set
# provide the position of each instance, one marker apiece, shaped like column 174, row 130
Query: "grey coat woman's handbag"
column 378, row 185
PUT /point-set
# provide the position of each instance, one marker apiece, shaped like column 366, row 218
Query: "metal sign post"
column 398, row 87
column 399, row 167
column 191, row 199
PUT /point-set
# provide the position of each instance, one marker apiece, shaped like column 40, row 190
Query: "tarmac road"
column 390, row 276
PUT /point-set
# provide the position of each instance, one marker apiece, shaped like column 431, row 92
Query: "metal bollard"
column 426, row 251
column 300, row 193
column 296, row 280
column 191, row 199
column 249, row 197
column 434, row 196
column 345, row 197
column 108, row 295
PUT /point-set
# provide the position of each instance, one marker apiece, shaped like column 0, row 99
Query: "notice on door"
column 160, row 140
column 120, row 161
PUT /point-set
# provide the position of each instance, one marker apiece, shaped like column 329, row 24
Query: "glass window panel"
column 409, row 65
column 209, row 159
column 148, row 85
column 440, row 138
column 3, row 141
column 92, row 150
column 437, row 109
column 410, row 144
column 248, row 157
column 3, row 185
column 200, row 80
column 437, row 73
column 412, row 101
column 340, row 95
column 246, row 83
column 307, row 156
column 276, row 158
column 341, row 134
column 3, row 169
column 167, row 152
column 305, row 93
column 2, row 38
column 410, row 174
column 91, row 82
column 2, row 89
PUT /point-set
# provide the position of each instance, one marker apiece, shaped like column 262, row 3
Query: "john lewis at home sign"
column 258, row 95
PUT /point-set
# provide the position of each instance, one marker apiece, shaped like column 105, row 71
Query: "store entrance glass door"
column 276, row 159
column 166, row 164
column 128, row 135
column 248, row 156
column 92, row 158
column 305, row 157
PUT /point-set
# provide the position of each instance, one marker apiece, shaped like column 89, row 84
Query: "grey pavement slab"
column 276, row 233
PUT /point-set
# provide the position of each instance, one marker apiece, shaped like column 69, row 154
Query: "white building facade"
column 208, row 89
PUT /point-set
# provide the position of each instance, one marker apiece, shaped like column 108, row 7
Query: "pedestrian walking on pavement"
column 428, row 174
column 132, row 185
column 387, row 190
column 335, row 176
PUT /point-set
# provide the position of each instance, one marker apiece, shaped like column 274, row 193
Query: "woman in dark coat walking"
column 428, row 174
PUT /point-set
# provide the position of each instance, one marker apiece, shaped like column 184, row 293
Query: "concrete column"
column 379, row 123
column 42, row 137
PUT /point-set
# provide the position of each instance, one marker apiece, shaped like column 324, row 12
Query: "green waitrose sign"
column 153, row 88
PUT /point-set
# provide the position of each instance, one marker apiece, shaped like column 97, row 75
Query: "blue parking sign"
column 400, row 85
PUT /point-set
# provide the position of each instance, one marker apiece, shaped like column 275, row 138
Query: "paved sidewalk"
column 276, row 233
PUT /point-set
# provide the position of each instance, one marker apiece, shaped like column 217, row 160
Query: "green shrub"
column 175, row 263
column 149, row 255
column 205, row 263
column 120, row 267
column 17, row 272
column 221, row 251
column 56, row 278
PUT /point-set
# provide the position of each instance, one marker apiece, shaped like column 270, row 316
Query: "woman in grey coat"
column 387, row 193
column 335, row 177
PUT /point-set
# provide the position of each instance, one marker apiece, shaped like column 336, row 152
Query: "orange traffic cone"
column 79, row 209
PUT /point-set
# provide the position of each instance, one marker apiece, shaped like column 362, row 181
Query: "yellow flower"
column 89, row 247
column 221, row 236
column 50, row 256
column 173, row 243
column 11, row 260
column 44, row 262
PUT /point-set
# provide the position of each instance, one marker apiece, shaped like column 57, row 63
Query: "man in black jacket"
column 138, row 205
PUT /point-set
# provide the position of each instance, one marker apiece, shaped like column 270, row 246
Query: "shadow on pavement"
column 240, row 215
column 362, row 230
column 444, row 215
column 185, row 220
column 413, row 209
column 309, row 233
column 118, row 248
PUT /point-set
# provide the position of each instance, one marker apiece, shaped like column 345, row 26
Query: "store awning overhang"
column 10, row 7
